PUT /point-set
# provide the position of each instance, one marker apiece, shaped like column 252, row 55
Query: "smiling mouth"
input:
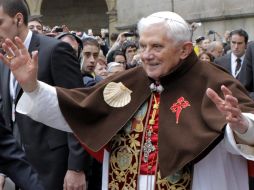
column 153, row 64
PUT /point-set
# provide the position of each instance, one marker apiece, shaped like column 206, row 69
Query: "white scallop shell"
column 116, row 94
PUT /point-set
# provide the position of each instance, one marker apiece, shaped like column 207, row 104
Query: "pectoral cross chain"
column 148, row 148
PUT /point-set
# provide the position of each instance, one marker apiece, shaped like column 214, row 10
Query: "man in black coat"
column 57, row 156
column 248, row 78
column 233, row 62
column 13, row 161
column 249, row 69
column 238, row 43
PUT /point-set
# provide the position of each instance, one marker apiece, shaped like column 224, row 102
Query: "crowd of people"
column 116, row 54
column 144, row 109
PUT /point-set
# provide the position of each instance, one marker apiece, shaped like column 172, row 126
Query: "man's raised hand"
column 23, row 67
column 228, row 106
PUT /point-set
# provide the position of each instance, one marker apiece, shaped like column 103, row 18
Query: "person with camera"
column 129, row 49
column 127, row 46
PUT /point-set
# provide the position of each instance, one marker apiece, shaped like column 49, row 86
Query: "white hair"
column 178, row 28
column 111, row 65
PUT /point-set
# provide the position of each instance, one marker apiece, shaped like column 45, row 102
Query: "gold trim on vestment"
column 125, row 159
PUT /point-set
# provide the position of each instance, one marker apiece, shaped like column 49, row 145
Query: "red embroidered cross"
column 178, row 106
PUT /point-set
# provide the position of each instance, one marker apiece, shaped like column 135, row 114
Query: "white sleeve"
column 42, row 106
column 245, row 150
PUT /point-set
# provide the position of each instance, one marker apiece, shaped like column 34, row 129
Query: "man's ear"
column 186, row 49
column 19, row 19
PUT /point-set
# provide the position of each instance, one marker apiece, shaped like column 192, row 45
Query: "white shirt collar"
column 233, row 64
column 233, row 57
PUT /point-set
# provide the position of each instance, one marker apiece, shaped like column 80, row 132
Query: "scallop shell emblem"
column 116, row 94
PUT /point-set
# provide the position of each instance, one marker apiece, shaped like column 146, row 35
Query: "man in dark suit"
column 249, row 69
column 13, row 161
column 248, row 76
column 243, row 71
column 233, row 61
column 57, row 156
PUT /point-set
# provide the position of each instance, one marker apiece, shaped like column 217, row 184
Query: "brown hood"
column 200, row 124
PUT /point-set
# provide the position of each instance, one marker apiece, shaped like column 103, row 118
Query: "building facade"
column 119, row 15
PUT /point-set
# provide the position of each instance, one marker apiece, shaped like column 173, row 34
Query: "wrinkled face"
column 90, row 54
column 35, row 26
column 218, row 51
column 159, row 53
column 101, row 70
column 8, row 26
column 238, row 45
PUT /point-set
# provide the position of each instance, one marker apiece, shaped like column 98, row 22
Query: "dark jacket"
column 51, row 152
column 13, row 161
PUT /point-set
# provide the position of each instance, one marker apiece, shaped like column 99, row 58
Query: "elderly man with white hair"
column 173, row 123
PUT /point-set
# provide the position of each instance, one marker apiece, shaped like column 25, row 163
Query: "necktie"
column 238, row 66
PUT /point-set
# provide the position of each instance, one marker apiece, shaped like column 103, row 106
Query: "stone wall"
column 217, row 15
column 76, row 14
column 129, row 12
